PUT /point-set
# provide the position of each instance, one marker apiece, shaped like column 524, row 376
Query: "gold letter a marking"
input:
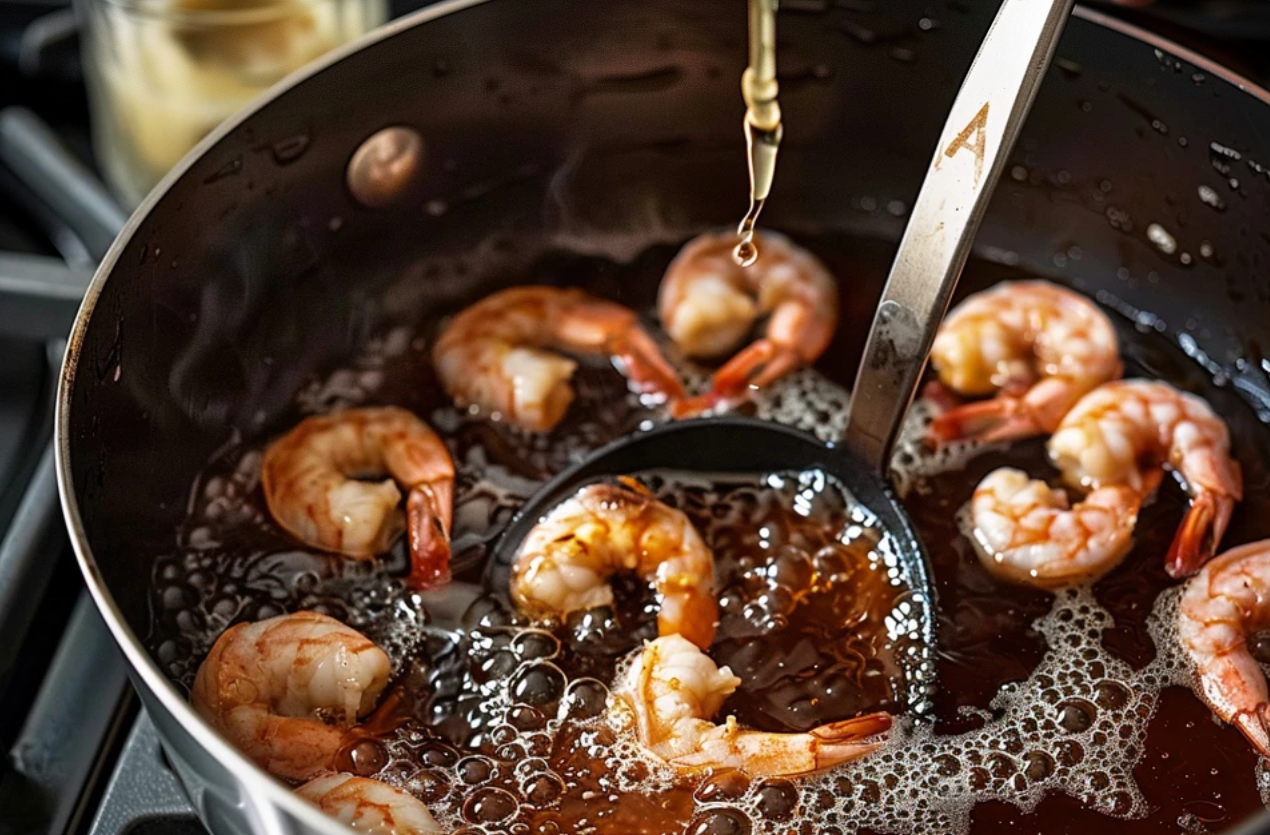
column 974, row 139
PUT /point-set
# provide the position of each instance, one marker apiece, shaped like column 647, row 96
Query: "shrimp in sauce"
column 499, row 355
column 369, row 806
column 673, row 689
column 566, row 560
column 1224, row 604
column 286, row 690
column 1034, row 345
column 1025, row 531
column 708, row 304
column 312, row 484
column 1124, row 432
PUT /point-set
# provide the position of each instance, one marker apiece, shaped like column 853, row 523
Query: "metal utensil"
column 981, row 128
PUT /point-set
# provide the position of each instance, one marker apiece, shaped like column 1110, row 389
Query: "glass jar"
column 163, row 73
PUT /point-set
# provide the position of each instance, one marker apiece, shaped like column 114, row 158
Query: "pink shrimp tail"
column 699, row 405
column 1199, row 534
column 999, row 419
column 871, row 724
column 428, row 511
column 760, row 363
column 850, row 739
column 644, row 366
column 1255, row 725
column 940, row 396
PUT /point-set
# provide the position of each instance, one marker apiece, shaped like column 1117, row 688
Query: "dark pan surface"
column 255, row 268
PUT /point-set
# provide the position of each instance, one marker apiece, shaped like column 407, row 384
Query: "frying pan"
column 253, row 266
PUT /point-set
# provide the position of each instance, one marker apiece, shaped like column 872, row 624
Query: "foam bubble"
column 808, row 401
column 1076, row 726
column 914, row 461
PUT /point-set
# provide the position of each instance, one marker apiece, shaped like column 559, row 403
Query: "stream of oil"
column 1053, row 714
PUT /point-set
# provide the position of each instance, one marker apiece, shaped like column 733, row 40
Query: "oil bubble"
column 724, row 821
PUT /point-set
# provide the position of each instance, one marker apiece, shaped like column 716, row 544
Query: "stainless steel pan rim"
column 258, row 781
column 142, row 665
column 1176, row 50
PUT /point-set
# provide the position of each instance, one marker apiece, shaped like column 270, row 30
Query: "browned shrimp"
column 1124, row 432
column 567, row 559
column 370, row 806
column 1028, row 532
column 312, row 484
column 709, row 304
column 1225, row 603
column 286, row 690
column 674, row 689
column 494, row 355
column 1036, row 346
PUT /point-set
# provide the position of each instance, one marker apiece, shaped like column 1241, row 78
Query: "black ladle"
column 981, row 129
column 723, row 447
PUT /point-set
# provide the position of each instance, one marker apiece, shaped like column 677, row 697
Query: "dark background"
column 41, row 70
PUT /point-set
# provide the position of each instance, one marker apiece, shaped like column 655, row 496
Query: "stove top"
column 75, row 766
column 58, row 745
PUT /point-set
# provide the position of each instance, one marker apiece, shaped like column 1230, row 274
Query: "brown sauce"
column 496, row 726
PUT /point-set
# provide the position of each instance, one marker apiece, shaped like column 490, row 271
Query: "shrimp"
column 1025, row 531
column 565, row 562
column 286, row 690
column 311, row 478
column 369, row 806
column 708, row 305
column 1124, row 432
column 1228, row 600
column 1037, row 346
column 673, row 688
column 492, row 355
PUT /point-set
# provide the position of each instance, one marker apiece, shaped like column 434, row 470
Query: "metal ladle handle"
column 980, row 131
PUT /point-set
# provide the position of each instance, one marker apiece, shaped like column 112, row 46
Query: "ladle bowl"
column 731, row 446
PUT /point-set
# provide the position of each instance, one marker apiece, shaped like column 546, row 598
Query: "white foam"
column 1076, row 726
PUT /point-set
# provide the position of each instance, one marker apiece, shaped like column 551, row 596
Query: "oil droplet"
column 746, row 252
column 290, row 149
column 1209, row 197
column 1163, row 241
column 229, row 169
column 1069, row 68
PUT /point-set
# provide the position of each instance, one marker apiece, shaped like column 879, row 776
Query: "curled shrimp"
column 1025, row 531
column 286, row 690
column 566, row 560
column 1038, row 347
column 311, row 478
column 1124, row 432
column 1228, row 600
column 708, row 305
column 673, row 688
column 369, row 806
column 494, row 355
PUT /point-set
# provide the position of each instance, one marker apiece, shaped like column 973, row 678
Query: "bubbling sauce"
column 1052, row 712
